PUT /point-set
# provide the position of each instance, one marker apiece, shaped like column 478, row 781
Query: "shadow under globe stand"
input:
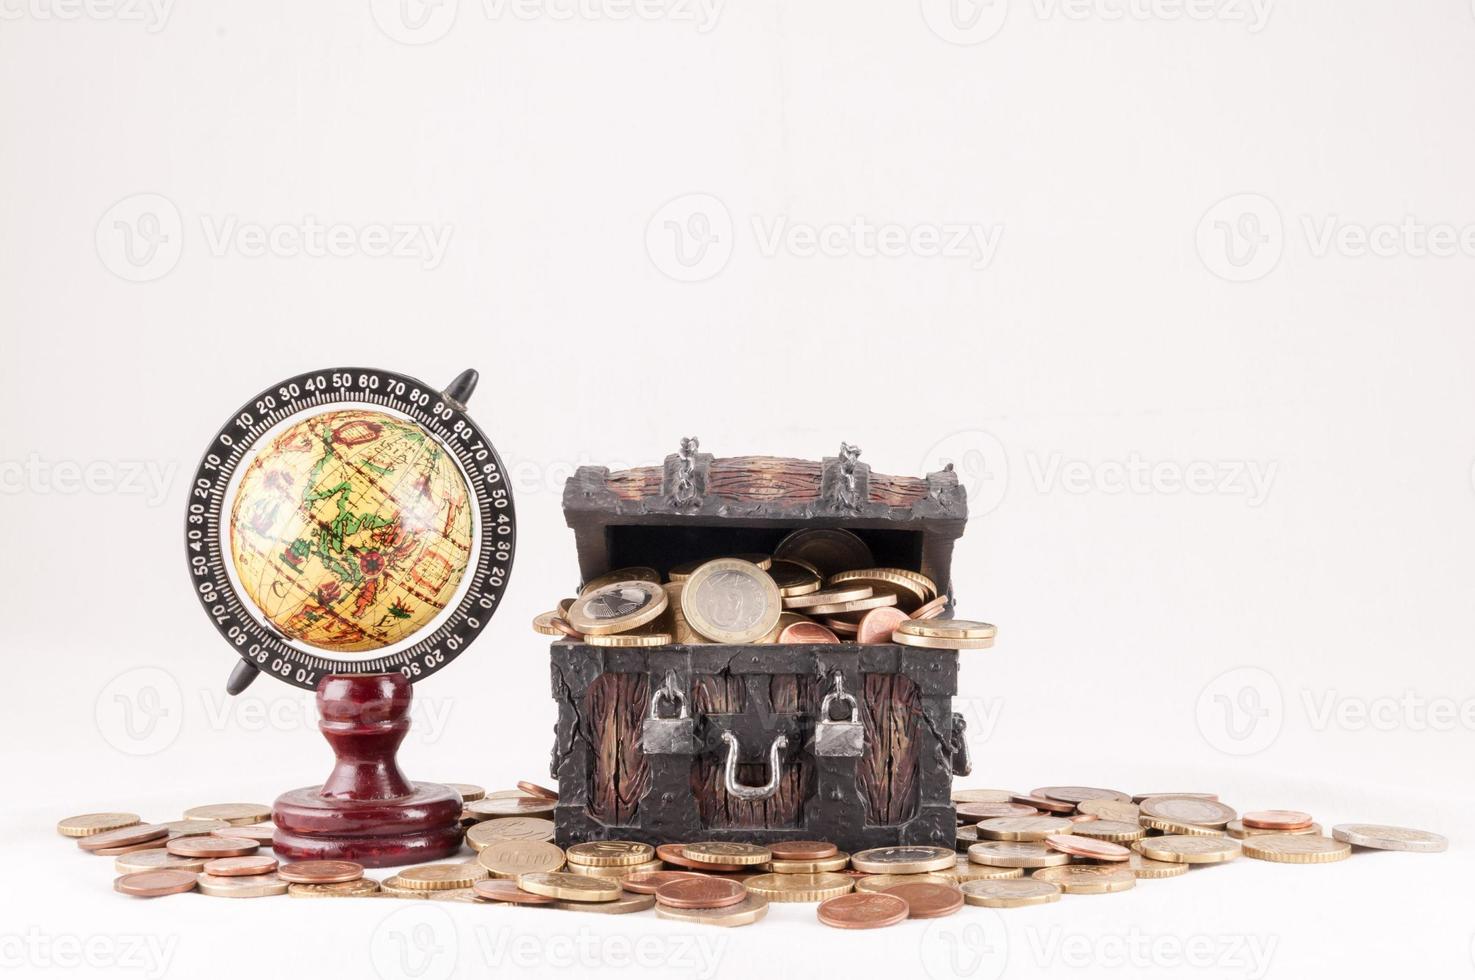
column 350, row 531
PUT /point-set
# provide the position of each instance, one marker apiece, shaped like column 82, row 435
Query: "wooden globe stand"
column 367, row 811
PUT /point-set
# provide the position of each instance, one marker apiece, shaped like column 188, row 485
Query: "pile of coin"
column 821, row 585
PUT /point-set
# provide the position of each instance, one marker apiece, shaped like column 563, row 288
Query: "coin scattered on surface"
column 361, row 888
column 1239, row 831
column 320, row 872
column 749, row 910
column 1010, row 893
column 1075, row 795
column 139, row 833
column 950, row 629
column 251, row 886
column 646, row 882
column 981, row 796
column 700, row 892
column 502, row 890
column 1016, row 854
column 904, row 859
column 1187, row 810
column 1144, row 867
column 725, row 852
column 153, row 884
column 511, row 806
column 1087, row 847
column 1188, row 849
column 1088, row 879
column 732, row 601
column 799, row 888
column 863, row 910
column 481, row 834
column 1139, row 797
column 232, row 813
column 926, row 899
column 510, row 858
column 1295, row 849
column 1110, row 810
column 230, row 867
column 1386, row 838
column 1023, row 828
column 966, row 870
column 1275, row 819
column 1043, row 803
column 1116, row 831
column 616, row 873
column 156, row 859
column 570, row 887
column 802, row 850
column 675, row 854
column 435, row 877
column 213, row 847
column 470, row 792
column 986, row 811
column 610, row 853
column 261, row 833
column 876, row 883
column 198, row 828
column 835, row 862
column 88, row 824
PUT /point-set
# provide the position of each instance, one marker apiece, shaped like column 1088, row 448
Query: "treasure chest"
column 759, row 742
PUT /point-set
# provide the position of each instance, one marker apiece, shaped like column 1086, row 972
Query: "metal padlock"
column 668, row 735
column 839, row 738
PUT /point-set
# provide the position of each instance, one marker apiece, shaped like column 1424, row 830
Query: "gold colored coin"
column 1296, row 849
column 1188, row 849
column 627, row 902
column 636, row 573
column 235, row 814
column 156, row 859
column 673, row 620
column 731, row 601
column 966, row 870
column 391, row 887
column 510, row 858
column 470, row 792
column 248, row 886
column 1023, row 828
column 912, row 589
column 799, row 888
column 1144, row 867
column 1192, row 810
column 481, row 834
column 617, row 872
column 1174, row 827
column 1237, row 830
column 876, row 601
column 1116, row 831
column 198, row 828
column 940, row 642
column 981, row 795
column 543, row 623
column 950, row 629
column 1016, row 854
column 876, row 883
column 1110, row 810
column 434, row 877
column 617, row 608
column 746, row 912
column 570, row 887
column 501, row 804
column 792, row 866
column 793, row 578
column 632, row 639
column 1088, row 879
column 726, row 852
column 466, row 896
column 829, row 597
column 337, row 889
column 967, row 836
column 87, row 824
column 1010, row 893
column 904, row 859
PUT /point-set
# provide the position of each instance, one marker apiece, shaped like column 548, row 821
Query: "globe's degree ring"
column 209, row 544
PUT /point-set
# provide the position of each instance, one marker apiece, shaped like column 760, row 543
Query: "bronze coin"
column 926, row 900
column 703, row 892
column 320, row 872
column 1043, row 803
column 863, row 910
column 261, row 833
column 673, row 854
column 975, row 812
column 152, row 884
column 212, row 847
column 646, row 882
column 1082, row 817
column 877, row 625
column 232, row 867
column 806, row 633
column 540, row 792
column 842, row 627
column 1276, row 819
column 140, row 833
column 802, row 850
column 506, row 890
column 931, row 610
column 1088, row 847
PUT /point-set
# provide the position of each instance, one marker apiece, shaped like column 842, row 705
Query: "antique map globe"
column 351, row 530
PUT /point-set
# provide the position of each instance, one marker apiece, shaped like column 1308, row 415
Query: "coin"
column 434, row 877
column 908, row 592
column 234, row 814
column 1075, row 795
column 128, row 848
column 673, row 620
column 1015, row 854
column 863, row 910
column 1239, row 831
column 966, row 870
column 727, row 853
column 1088, row 879
column 536, row 791
column 156, row 859
column 926, row 899
column 1010, row 893
column 470, row 792
column 1082, row 817
column 807, row 866
column 1295, row 849
column 952, row 629
column 231, row 867
column 793, row 578
column 626, row 902
column 1188, row 849
column 1174, row 827
column 617, row 608
column 1110, row 810
column 261, row 833
column 1043, row 803
column 510, row 858
column 1386, row 838
column 731, row 601
column 1187, row 810
column 940, row 642
column 508, row 828
column 635, row 638
column 334, row 889
column 673, row 854
column 840, row 626
column 1144, row 867
column 749, row 910
column 152, row 884
column 618, row 872
column 877, row 625
column 251, row 886
column 636, row 573
column 1275, row 819
column 932, row 609
column 320, row 872
column 1139, row 797
column 903, row 859
column 646, row 882
column 139, row 833
column 799, row 888
column 802, row 850
column 511, row 806
column 544, row 623
column 1116, row 831
column 830, row 597
column 876, row 883
column 88, row 824
column 198, row 828
column 502, row 890
column 986, row 811
column 1087, row 847
column 807, row 633
column 391, row 888
column 981, row 796
column 1022, row 828
column 967, row 835
column 700, row 892
column 828, row 549
column 212, row 846
column 570, row 887
column 875, row 601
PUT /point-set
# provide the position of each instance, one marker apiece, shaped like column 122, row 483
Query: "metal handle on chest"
column 729, row 774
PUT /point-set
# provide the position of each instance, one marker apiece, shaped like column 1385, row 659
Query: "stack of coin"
column 613, row 859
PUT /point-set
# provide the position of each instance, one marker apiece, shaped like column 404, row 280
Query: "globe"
column 350, row 530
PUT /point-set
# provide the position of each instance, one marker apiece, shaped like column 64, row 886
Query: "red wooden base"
column 367, row 811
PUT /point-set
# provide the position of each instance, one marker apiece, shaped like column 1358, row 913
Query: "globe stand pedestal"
column 367, row 811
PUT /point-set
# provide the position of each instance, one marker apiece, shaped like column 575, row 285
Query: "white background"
column 1219, row 448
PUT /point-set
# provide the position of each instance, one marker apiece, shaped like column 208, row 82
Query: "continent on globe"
column 351, row 530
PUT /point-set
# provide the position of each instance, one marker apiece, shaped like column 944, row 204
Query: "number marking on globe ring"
column 208, row 517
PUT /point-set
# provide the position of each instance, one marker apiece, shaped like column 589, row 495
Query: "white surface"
column 535, row 162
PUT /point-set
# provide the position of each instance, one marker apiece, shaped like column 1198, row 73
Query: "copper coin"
column 540, row 792
column 152, row 884
column 212, row 846
column 806, row 633
column 932, row 609
column 1088, row 847
column 701, row 893
column 877, row 625
column 261, row 833
column 802, row 850
column 842, row 627
column 863, row 910
column 506, row 890
column 140, row 833
column 983, row 811
column 320, row 872
column 1276, row 819
column 1082, row 818
column 1043, row 803
column 231, row 867
column 646, row 882
column 672, row 854
column 926, row 900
